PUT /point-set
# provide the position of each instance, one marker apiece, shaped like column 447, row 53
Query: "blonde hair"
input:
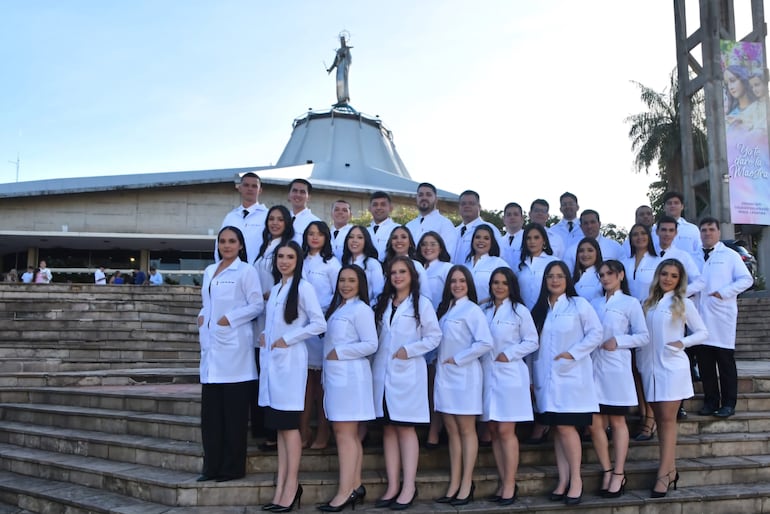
column 656, row 292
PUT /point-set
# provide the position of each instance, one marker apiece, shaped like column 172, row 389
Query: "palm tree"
column 656, row 138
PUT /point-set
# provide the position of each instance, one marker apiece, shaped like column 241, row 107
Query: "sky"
column 513, row 98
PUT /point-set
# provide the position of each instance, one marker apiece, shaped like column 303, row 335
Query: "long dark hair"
column 540, row 310
column 617, row 267
column 390, row 253
column 514, row 291
column 447, row 298
column 286, row 235
column 363, row 289
column 494, row 248
column 291, row 311
column 242, row 252
column 525, row 251
column 326, row 249
column 389, row 292
column 443, row 254
column 369, row 249
column 650, row 245
column 579, row 269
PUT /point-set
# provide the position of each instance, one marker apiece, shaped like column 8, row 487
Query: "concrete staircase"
column 127, row 440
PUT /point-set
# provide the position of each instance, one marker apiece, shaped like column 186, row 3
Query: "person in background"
column 28, row 276
column 510, row 242
column 538, row 213
column 117, row 278
column 568, row 226
column 249, row 216
column 44, row 273
column 591, row 226
column 380, row 207
column 301, row 215
column 140, row 278
column 586, row 274
column 341, row 216
column 100, row 278
column 430, row 219
column 470, row 211
column 155, row 278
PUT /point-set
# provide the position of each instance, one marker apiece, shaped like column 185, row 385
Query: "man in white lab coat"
column 723, row 277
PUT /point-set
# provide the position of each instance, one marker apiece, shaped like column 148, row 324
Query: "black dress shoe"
column 724, row 412
column 681, row 413
column 706, row 410
column 205, row 478
column 457, row 502
column 504, row 502
column 570, row 500
column 403, row 506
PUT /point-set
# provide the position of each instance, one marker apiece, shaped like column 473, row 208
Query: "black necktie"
column 510, row 240
column 569, row 225
column 662, row 253
column 422, row 219
column 336, row 233
column 462, row 231
column 293, row 218
column 376, row 228
column 706, row 252
column 245, row 212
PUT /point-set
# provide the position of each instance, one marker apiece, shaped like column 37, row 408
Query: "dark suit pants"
column 224, row 428
column 711, row 358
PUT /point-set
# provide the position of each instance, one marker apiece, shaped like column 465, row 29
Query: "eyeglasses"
column 426, row 244
column 555, row 277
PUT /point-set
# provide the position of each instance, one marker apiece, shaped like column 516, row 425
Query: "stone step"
column 17, row 365
column 83, row 334
column 43, row 313
column 67, row 348
column 110, row 377
column 176, row 488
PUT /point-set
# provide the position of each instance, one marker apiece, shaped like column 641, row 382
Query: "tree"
column 656, row 138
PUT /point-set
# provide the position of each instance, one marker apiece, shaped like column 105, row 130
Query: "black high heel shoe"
column 464, row 501
column 384, row 503
column 661, row 494
column 539, row 440
column 602, row 491
column 510, row 501
column 647, row 432
column 352, row 500
column 403, row 506
column 573, row 500
column 361, row 492
column 619, row 492
column 297, row 499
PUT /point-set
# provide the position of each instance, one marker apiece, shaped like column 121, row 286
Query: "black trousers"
column 711, row 358
column 224, row 428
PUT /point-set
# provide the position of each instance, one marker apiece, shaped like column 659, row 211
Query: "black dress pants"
column 224, row 428
column 711, row 358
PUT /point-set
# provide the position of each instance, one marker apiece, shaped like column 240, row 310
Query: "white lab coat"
column 510, row 250
column 482, row 271
column 422, row 278
column 589, row 286
column 375, row 280
column 338, row 242
column 726, row 274
column 506, row 384
column 227, row 352
column 665, row 370
column 464, row 239
column 323, row 277
column 252, row 226
column 690, row 267
column 610, row 250
column 380, row 238
column 301, row 220
column 264, row 267
column 347, row 382
column 403, row 384
column 566, row 385
column 284, row 370
column 622, row 318
column 639, row 279
column 466, row 338
column 530, row 276
column 437, row 273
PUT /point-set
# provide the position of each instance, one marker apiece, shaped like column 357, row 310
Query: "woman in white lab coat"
column 360, row 250
column 506, row 377
column 563, row 374
column 663, row 364
column 400, row 242
column 293, row 315
column 228, row 373
column 640, row 266
column 458, row 391
column 483, row 259
column 408, row 329
column 351, row 336
column 433, row 255
column 278, row 230
column 536, row 253
column 585, row 277
column 624, row 328
column 320, row 269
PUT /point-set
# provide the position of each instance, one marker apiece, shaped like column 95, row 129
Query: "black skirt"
column 576, row 419
column 281, row 419
column 613, row 410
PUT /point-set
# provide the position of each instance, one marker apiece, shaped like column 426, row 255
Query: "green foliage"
column 493, row 217
column 612, row 231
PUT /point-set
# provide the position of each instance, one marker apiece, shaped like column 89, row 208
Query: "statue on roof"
column 342, row 62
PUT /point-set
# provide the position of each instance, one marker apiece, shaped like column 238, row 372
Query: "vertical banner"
column 748, row 153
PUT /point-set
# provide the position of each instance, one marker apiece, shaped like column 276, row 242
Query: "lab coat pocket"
column 566, row 368
column 225, row 335
column 336, row 374
column 452, row 376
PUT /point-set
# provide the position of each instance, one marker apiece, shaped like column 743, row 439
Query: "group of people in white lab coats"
column 413, row 340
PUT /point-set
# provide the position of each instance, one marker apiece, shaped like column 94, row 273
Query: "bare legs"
column 569, row 452
column 610, row 481
column 505, row 446
column 350, row 454
column 665, row 413
column 314, row 398
column 463, row 450
column 289, row 453
column 401, row 449
column 436, row 422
